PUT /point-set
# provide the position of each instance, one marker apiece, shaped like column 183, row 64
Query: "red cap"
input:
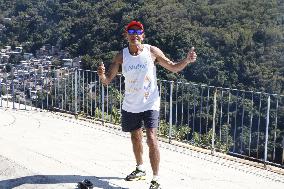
column 135, row 23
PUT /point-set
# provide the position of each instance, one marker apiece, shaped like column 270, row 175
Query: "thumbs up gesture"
column 191, row 55
column 101, row 69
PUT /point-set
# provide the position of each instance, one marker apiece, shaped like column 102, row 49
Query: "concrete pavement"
column 43, row 150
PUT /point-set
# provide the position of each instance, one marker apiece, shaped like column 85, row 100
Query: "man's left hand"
column 191, row 55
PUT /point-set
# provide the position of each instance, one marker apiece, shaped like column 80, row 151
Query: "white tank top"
column 141, row 89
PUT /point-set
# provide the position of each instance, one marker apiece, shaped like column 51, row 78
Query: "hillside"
column 240, row 43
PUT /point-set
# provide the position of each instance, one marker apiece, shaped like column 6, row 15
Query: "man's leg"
column 154, row 155
column 136, row 138
column 154, row 152
column 132, row 122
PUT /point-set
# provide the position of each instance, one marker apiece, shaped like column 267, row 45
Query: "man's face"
column 135, row 35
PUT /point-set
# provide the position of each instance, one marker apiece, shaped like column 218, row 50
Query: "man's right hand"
column 106, row 78
column 101, row 70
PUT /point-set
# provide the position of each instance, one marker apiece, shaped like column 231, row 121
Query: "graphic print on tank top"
column 147, row 86
column 141, row 89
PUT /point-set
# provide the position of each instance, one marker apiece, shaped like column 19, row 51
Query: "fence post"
column 13, row 89
column 266, row 131
column 201, row 112
column 55, row 91
column 79, row 90
column 59, row 88
column 103, row 104
column 176, row 107
column 282, row 150
column 242, row 125
column 275, row 128
column 47, row 94
column 251, row 121
column 91, row 92
column 83, row 91
column 120, row 94
column 258, row 123
column 107, row 117
column 6, row 84
column 72, row 99
column 228, row 118
column 87, row 91
column 160, row 88
column 1, row 92
column 42, row 83
column 65, row 94
column 221, row 115
column 207, row 109
column 214, row 121
column 76, row 92
column 171, row 111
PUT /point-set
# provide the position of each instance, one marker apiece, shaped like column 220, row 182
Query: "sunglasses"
column 132, row 32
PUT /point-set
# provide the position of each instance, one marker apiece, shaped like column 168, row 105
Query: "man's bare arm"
column 168, row 64
column 112, row 71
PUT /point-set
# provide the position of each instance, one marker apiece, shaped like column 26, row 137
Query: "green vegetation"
column 240, row 43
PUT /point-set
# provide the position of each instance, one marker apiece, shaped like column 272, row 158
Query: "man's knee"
column 152, row 140
column 136, row 136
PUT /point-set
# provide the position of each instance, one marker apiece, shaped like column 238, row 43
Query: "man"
column 141, row 101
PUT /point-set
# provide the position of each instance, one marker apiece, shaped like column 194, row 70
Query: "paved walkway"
column 43, row 150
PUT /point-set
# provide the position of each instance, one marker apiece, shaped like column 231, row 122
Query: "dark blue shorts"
column 132, row 121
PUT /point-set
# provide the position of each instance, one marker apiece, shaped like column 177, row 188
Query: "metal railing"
column 237, row 122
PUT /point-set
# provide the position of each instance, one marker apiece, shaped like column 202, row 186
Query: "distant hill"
column 240, row 43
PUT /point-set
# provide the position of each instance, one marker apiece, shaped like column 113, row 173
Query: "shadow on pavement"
column 59, row 179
